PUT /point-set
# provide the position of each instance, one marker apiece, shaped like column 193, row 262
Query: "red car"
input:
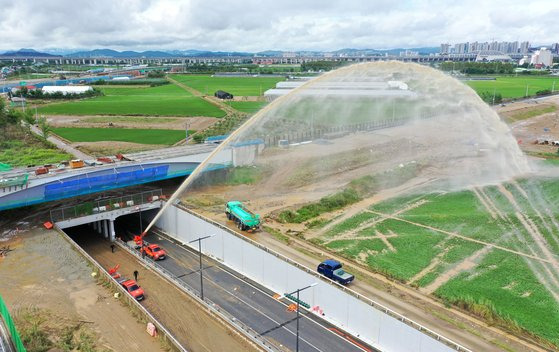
column 154, row 252
column 134, row 289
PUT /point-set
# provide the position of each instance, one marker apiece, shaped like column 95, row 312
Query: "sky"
column 257, row 25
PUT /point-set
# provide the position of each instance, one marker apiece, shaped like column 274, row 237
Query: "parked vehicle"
column 133, row 288
column 154, row 251
column 332, row 269
column 244, row 218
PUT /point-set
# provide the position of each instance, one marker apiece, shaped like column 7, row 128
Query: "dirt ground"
column 191, row 325
column 113, row 147
column 45, row 274
column 147, row 122
column 528, row 131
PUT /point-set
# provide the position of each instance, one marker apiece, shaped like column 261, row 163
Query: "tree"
column 44, row 127
column 28, row 118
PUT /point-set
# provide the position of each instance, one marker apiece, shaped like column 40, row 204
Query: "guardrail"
column 244, row 329
column 161, row 329
column 104, row 205
column 456, row 346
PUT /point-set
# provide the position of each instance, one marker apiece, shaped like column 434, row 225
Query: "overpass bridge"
column 22, row 187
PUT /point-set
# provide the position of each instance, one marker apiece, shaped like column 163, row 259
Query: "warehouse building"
column 66, row 89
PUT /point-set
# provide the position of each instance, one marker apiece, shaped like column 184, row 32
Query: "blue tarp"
column 99, row 183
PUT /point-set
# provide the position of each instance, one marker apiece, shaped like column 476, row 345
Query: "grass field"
column 515, row 86
column 142, row 136
column 250, row 107
column 168, row 100
column 501, row 286
column 19, row 147
column 238, row 86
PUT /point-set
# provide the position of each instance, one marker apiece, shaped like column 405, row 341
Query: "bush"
column 543, row 92
column 324, row 205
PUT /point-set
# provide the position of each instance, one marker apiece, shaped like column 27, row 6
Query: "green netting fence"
column 11, row 327
column 5, row 167
column 18, row 181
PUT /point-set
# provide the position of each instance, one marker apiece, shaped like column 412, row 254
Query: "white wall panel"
column 343, row 309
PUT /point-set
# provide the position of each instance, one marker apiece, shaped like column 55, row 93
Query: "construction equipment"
column 244, row 218
column 76, row 163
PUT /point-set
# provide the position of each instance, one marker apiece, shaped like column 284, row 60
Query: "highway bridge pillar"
column 105, row 229
column 94, row 224
column 99, row 227
column 112, row 230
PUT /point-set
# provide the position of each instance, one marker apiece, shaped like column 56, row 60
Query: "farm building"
column 223, row 95
column 66, row 89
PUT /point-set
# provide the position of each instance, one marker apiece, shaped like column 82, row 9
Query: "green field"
column 238, row 86
column 496, row 283
column 142, row 136
column 515, row 86
column 168, row 100
column 250, row 107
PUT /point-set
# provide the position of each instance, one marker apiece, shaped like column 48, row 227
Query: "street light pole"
column 199, row 240
column 297, row 319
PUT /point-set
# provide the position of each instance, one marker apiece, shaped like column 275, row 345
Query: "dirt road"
column 44, row 272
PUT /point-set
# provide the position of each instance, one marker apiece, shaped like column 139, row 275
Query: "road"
column 252, row 305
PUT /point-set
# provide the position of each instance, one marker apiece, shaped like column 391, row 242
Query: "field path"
column 358, row 207
column 465, row 265
column 60, row 144
column 229, row 110
column 531, row 228
column 434, row 262
column 457, row 235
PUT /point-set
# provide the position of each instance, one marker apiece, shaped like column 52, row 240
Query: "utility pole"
column 199, row 240
column 526, row 94
column 494, row 91
column 297, row 319
column 553, row 87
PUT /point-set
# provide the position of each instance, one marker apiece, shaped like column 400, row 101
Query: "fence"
column 247, row 331
column 11, row 327
column 323, row 132
column 103, row 205
column 18, row 181
column 376, row 324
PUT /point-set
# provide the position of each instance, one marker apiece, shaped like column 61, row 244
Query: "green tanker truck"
column 244, row 218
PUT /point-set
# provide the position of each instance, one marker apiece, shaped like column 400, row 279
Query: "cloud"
column 251, row 25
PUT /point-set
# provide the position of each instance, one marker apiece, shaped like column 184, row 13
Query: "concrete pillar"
column 105, row 229
column 94, row 224
column 99, row 227
column 112, row 230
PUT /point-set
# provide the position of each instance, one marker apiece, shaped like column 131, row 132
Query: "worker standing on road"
column 135, row 275
column 112, row 247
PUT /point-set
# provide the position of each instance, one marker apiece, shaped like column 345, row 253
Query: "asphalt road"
column 252, row 305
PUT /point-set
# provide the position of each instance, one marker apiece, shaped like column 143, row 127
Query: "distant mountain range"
column 26, row 53
column 204, row 53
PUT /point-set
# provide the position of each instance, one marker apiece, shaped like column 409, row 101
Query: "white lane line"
column 264, row 293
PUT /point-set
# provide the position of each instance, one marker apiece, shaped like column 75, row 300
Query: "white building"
column 66, row 89
column 542, row 57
